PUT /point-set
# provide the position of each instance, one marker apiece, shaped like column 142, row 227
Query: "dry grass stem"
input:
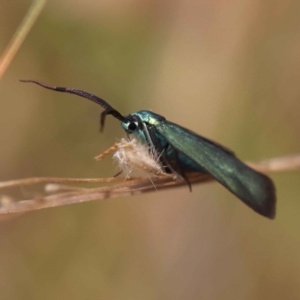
column 146, row 161
column 278, row 164
column 20, row 34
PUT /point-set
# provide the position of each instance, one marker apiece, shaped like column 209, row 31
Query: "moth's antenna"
column 109, row 110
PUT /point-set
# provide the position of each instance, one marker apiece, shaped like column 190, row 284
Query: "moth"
column 184, row 152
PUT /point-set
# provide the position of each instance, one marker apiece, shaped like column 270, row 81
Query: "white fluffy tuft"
column 133, row 155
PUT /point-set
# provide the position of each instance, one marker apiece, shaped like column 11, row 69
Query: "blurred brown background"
column 229, row 70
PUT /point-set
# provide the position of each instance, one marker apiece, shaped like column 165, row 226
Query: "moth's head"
column 138, row 120
column 132, row 124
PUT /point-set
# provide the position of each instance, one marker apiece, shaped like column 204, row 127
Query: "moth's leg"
column 180, row 170
column 118, row 174
column 166, row 162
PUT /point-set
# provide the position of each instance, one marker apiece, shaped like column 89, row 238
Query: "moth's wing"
column 253, row 188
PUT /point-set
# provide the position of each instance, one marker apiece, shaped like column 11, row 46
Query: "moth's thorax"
column 149, row 117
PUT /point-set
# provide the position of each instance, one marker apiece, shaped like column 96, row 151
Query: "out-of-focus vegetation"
column 227, row 70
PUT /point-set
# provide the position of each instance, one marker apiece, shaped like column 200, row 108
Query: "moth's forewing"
column 253, row 188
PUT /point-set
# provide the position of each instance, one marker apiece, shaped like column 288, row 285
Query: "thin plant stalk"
column 120, row 187
column 20, row 34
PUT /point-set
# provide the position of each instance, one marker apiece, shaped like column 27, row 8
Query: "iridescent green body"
column 183, row 151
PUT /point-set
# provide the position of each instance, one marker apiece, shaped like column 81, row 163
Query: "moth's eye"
column 132, row 126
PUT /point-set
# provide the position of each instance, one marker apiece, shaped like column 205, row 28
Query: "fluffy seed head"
column 133, row 155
